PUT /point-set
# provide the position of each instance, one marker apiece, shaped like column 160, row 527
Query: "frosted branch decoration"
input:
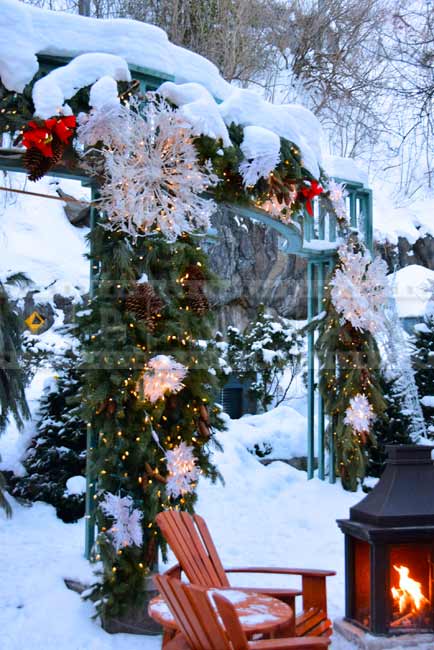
column 337, row 195
column 163, row 375
column 152, row 178
column 360, row 290
column 359, row 414
column 183, row 472
column 126, row 529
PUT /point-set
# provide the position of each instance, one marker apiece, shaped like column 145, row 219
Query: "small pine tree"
column 423, row 362
column 268, row 348
column 390, row 428
column 58, row 450
column 12, row 378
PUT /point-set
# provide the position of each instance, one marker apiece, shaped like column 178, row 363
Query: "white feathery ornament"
column 153, row 181
column 104, row 124
column 359, row 414
column 127, row 527
column 337, row 195
column 360, row 290
column 261, row 149
column 163, row 375
column 183, row 471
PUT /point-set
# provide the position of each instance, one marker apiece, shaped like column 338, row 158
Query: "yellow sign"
column 34, row 322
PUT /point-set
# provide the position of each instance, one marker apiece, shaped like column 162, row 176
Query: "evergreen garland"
column 57, row 452
column 423, row 363
column 132, row 433
column 350, row 365
column 12, row 378
column 16, row 110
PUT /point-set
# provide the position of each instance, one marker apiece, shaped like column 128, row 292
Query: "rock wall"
column 253, row 270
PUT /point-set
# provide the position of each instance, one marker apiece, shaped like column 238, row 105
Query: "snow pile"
column 50, row 92
column 413, row 289
column 345, row 169
column 26, row 31
column 282, row 431
column 76, row 485
column 37, row 239
column 395, row 216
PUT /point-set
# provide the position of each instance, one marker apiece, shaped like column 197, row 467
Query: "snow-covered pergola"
column 72, row 52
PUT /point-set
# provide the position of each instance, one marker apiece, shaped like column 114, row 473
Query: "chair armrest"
column 314, row 573
column 278, row 590
column 298, row 643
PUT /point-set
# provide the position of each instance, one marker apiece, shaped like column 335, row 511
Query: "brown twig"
column 65, row 199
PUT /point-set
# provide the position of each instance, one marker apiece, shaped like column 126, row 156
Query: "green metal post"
column 353, row 209
column 321, row 450
column 310, row 373
column 91, row 439
column 369, row 237
column 331, row 440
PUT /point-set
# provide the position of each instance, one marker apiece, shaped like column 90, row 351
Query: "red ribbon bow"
column 40, row 136
column 309, row 192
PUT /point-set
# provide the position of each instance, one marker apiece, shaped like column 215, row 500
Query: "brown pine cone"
column 145, row 304
column 37, row 164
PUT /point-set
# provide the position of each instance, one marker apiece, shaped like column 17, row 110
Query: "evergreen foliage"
column 390, row 428
column 12, row 378
column 423, row 363
column 268, row 347
column 131, row 433
column 58, row 450
column 350, row 365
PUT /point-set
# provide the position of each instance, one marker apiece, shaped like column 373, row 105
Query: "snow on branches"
column 152, row 179
column 183, row 471
column 163, row 375
column 126, row 529
column 359, row 414
column 360, row 289
column 261, row 149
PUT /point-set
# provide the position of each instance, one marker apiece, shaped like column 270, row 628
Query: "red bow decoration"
column 309, row 192
column 40, row 136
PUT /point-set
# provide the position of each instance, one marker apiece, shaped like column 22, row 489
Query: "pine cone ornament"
column 193, row 283
column 37, row 164
column 145, row 304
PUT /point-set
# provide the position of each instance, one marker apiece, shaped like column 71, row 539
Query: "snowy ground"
column 263, row 515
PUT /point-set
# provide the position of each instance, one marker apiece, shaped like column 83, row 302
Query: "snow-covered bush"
column 423, row 362
column 57, row 452
column 268, row 355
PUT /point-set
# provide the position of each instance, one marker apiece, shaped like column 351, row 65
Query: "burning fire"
column 408, row 596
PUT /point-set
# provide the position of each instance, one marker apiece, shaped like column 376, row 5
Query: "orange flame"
column 408, row 595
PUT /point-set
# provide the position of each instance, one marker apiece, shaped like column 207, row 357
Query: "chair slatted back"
column 194, row 615
column 190, row 540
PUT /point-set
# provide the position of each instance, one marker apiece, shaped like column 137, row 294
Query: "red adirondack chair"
column 190, row 540
column 202, row 629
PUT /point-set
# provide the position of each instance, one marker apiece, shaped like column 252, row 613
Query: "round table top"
column 258, row 613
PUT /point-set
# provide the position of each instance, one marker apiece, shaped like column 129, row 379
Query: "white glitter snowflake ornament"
column 163, row 375
column 359, row 414
column 127, row 528
column 183, row 472
column 152, row 177
column 360, row 290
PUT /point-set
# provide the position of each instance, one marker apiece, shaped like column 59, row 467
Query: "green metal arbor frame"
column 303, row 239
